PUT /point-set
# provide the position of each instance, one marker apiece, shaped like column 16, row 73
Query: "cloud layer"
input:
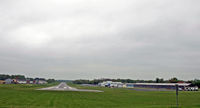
column 89, row 39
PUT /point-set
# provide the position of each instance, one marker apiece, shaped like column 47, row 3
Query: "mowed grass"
column 25, row 96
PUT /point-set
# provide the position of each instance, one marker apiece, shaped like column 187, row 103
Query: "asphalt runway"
column 64, row 87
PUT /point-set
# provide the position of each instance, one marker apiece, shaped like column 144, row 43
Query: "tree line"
column 157, row 80
column 4, row 77
column 22, row 77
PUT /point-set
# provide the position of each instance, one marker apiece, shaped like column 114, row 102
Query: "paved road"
column 64, row 87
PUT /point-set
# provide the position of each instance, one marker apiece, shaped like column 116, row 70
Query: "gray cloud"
column 100, row 38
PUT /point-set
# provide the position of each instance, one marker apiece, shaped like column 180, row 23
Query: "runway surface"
column 64, row 87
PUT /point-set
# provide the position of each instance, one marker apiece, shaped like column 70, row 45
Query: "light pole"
column 176, row 95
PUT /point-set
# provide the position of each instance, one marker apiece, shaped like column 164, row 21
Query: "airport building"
column 2, row 82
column 182, row 86
column 111, row 84
column 8, row 81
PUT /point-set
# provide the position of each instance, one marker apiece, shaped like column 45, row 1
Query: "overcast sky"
column 87, row 39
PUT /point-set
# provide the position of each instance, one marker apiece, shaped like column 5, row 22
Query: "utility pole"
column 176, row 95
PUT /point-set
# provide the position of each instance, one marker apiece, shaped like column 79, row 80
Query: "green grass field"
column 25, row 96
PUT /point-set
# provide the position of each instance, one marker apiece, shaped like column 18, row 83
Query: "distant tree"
column 51, row 80
column 82, row 81
column 195, row 82
column 173, row 80
column 3, row 77
column 150, row 81
column 159, row 80
column 42, row 79
column 31, row 79
column 20, row 77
